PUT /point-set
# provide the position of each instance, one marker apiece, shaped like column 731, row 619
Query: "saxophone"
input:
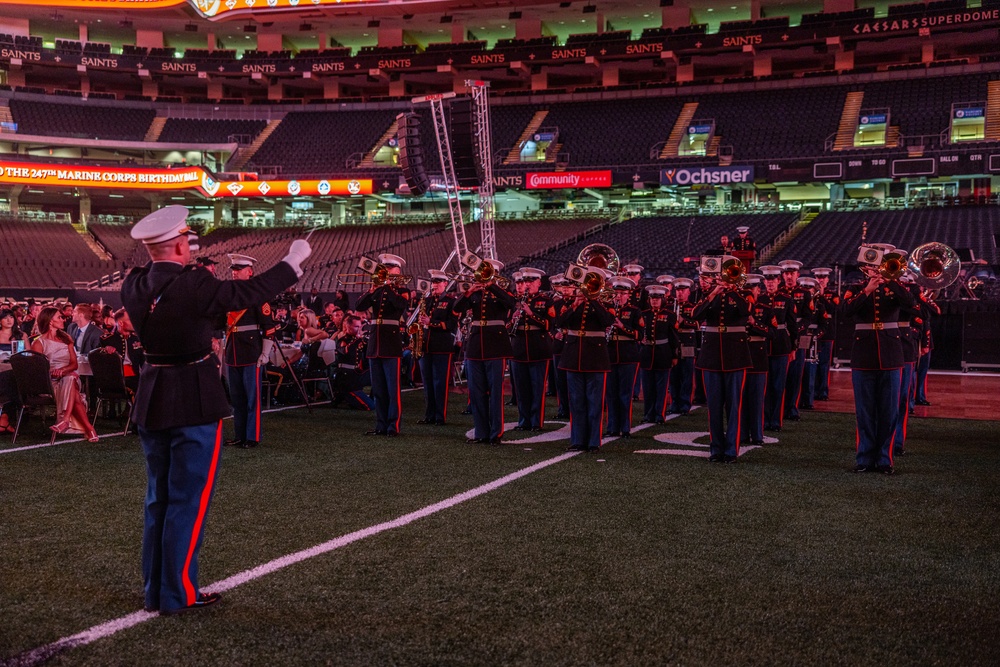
column 416, row 331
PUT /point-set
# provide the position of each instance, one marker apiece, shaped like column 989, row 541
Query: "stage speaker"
column 411, row 154
column 468, row 171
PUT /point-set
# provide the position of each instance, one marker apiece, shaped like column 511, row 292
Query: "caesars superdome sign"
column 707, row 175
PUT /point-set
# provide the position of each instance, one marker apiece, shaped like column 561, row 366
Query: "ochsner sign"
column 568, row 179
column 707, row 175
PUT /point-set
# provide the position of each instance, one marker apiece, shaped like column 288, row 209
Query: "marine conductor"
column 181, row 402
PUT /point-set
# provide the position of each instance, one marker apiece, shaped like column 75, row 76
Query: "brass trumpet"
column 486, row 273
column 733, row 274
column 892, row 266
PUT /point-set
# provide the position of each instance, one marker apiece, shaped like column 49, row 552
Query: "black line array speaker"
column 468, row 171
column 411, row 153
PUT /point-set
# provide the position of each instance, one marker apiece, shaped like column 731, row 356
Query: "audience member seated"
column 57, row 346
column 9, row 331
column 84, row 333
column 125, row 343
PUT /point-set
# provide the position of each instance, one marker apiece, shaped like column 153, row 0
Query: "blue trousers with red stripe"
column 181, row 468
column 618, row 396
column 906, row 381
column 752, row 423
column 724, row 394
column 385, row 389
column 654, row 394
column 486, row 396
column 876, row 401
column 244, row 391
column 775, row 394
column 681, row 384
column 586, row 407
column 529, row 379
column 435, row 369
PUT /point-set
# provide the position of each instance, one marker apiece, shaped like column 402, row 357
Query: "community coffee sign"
column 691, row 176
column 187, row 178
column 556, row 180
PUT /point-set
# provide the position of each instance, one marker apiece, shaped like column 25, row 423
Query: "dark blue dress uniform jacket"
column 623, row 348
column 659, row 325
column 687, row 330
column 877, row 348
column 559, row 307
column 439, row 337
column 585, row 353
column 388, row 306
column 760, row 333
column 532, row 340
column 786, row 329
column 180, row 383
column 488, row 337
column 243, row 348
column 724, row 351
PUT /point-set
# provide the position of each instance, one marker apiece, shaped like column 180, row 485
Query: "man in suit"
column 86, row 335
column 180, row 403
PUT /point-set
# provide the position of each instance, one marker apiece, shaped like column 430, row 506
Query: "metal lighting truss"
column 483, row 143
column 450, row 181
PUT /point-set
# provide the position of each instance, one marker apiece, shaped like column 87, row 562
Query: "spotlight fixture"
column 514, row 15
column 564, row 5
column 590, row 9
column 374, row 23
column 191, row 27
column 446, row 19
column 666, row 3
column 407, row 17
column 305, row 27
column 249, row 27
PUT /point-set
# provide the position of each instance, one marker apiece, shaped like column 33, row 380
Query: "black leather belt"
column 177, row 359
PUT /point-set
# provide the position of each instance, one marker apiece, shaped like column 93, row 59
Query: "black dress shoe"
column 886, row 470
column 593, row 449
column 609, row 434
column 899, row 452
column 560, row 415
column 439, row 423
column 728, row 458
column 233, row 443
column 510, row 403
column 684, row 413
column 375, row 432
column 496, row 442
column 466, row 412
column 425, row 421
column 716, row 458
column 792, row 418
column 475, row 441
column 520, row 428
column 576, row 448
column 922, row 403
column 626, row 434
column 862, row 468
column 204, row 600
column 756, row 443
column 248, row 444
column 391, row 434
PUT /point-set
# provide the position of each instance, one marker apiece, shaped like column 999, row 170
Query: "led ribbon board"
column 39, row 174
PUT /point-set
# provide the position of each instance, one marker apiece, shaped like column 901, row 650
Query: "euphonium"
column 600, row 255
column 934, row 265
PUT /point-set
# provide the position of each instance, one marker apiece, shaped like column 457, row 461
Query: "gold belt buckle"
column 878, row 326
column 722, row 329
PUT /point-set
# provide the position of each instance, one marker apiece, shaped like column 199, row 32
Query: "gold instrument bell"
column 732, row 273
column 600, row 255
column 892, row 266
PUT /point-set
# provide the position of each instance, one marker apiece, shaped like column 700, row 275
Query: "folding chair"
column 109, row 382
column 34, row 386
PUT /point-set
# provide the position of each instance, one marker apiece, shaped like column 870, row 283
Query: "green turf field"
column 616, row 558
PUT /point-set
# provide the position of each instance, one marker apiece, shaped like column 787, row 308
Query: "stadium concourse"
column 528, row 132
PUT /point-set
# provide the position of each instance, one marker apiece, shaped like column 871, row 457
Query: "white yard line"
column 90, row 635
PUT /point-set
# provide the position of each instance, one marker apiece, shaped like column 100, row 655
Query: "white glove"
column 265, row 355
column 297, row 253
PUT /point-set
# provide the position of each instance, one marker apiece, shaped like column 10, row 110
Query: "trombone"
column 377, row 278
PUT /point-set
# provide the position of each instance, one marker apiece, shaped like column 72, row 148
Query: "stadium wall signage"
column 921, row 21
column 691, row 176
column 187, row 178
column 557, row 180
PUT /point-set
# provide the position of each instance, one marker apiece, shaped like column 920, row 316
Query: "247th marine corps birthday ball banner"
column 39, row 174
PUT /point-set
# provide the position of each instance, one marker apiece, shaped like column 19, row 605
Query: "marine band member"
column 247, row 349
column 439, row 322
column 623, row 353
column 531, row 345
column 388, row 303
